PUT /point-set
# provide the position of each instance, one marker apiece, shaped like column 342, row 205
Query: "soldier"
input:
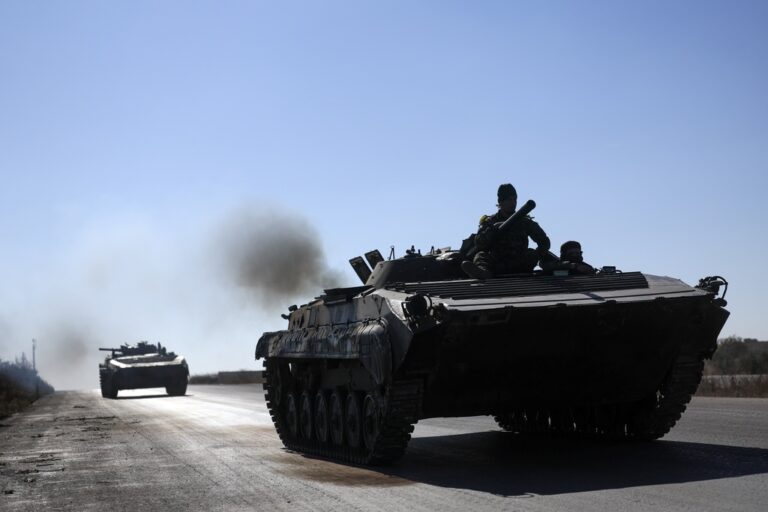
column 508, row 252
column 571, row 254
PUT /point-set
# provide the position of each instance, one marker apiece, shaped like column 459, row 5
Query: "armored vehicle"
column 609, row 355
column 143, row 365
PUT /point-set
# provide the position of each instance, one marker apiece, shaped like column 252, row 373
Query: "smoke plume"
column 126, row 278
column 275, row 256
column 67, row 352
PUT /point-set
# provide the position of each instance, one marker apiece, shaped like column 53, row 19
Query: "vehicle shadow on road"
column 142, row 397
column 506, row 464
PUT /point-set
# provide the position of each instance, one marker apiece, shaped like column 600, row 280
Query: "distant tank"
column 610, row 355
column 143, row 365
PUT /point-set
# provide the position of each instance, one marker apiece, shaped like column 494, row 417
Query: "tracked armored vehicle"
column 143, row 365
column 610, row 355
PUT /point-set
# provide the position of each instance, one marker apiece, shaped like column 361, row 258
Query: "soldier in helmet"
column 507, row 252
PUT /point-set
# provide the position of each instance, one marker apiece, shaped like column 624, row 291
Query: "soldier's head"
column 571, row 251
column 507, row 196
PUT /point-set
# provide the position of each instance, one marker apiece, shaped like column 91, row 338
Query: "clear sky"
column 133, row 133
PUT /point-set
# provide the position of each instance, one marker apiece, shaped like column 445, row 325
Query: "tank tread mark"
column 622, row 421
column 401, row 413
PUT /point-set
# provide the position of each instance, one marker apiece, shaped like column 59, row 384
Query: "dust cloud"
column 69, row 350
column 206, row 290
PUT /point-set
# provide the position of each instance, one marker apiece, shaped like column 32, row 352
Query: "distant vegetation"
column 745, row 386
column 20, row 385
column 204, row 378
column 238, row 377
column 739, row 368
column 737, row 356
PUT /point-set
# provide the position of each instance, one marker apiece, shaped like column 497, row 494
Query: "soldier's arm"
column 539, row 236
column 585, row 268
column 485, row 233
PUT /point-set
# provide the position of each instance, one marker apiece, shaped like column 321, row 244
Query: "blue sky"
column 130, row 131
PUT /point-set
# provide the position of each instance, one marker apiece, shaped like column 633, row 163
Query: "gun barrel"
column 519, row 214
column 522, row 212
column 110, row 349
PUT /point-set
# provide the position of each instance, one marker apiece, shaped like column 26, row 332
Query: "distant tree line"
column 739, row 356
column 20, row 385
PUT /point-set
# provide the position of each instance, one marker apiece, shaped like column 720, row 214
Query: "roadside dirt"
column 49, row 445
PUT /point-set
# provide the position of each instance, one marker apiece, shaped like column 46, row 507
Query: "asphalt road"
column 215, row 449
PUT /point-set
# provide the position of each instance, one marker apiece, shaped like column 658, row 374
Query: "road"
column 215, row 449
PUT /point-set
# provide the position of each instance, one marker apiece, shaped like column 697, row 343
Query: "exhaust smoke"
column 275, row 256
column 132, row 277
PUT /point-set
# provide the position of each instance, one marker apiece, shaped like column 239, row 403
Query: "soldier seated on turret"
column 506, row 252
column 572, row 256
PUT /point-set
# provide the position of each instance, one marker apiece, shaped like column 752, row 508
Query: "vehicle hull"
column 612, row 355
column 558, row 356
column 149, row 377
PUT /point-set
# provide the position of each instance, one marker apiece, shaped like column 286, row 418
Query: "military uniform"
column 571, row 255
column 584, row 269
column 508, row 252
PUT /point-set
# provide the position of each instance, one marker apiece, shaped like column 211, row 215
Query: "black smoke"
column 275, row 256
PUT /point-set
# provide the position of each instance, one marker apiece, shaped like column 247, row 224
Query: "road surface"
column 216, row 449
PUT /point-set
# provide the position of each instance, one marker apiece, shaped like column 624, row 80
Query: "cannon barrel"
column 511, row 221
column 519, row 214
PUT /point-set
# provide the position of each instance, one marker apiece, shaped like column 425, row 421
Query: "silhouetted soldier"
column 507, row 252
column 571, row 254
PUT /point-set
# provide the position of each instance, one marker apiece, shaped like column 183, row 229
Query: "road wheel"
column 336, row 418
column 583, row 419
column 321, row 417
column 305, row 415
column 511, row 421
column 177, row 388
column 353, row 420
column 562, row 421
column 371, row 420
column 292, row 415
column 537, row 420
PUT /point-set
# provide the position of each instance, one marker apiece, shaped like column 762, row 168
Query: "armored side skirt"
column 481, row 362
column 150, row 376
